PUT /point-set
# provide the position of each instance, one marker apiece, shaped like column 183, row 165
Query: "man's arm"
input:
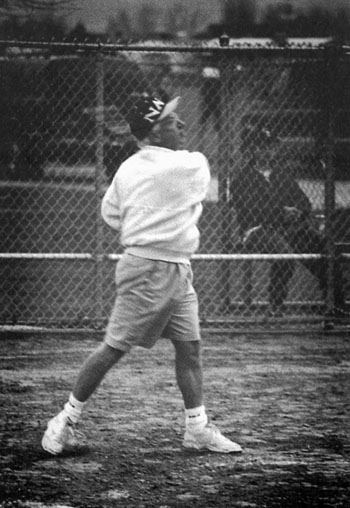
column 110, row 207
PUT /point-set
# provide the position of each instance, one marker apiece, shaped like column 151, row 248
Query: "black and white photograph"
column 175, row 253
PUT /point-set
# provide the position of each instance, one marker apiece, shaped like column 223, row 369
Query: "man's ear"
column 145, row 141
column 155, row 136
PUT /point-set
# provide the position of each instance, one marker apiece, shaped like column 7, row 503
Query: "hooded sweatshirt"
column 155, row 201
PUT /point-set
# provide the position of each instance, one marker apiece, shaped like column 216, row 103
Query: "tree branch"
column 18, row 7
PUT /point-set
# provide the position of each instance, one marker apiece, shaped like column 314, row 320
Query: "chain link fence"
column 275, row 126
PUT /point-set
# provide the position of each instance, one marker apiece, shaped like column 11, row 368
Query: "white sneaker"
column 210, row 438
column 58, row 435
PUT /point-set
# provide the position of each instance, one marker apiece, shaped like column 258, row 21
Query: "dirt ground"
column 284, row 398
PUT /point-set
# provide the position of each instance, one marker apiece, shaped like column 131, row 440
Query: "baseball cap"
column 146, row 111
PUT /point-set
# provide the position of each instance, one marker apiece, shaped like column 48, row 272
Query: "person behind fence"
column 154, row 201
column 274, row 217
column 211, row 95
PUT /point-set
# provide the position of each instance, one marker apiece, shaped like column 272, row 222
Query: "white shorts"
column 154, row 299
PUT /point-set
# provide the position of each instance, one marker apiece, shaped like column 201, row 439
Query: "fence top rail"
column 196, row 257
column 265, row 47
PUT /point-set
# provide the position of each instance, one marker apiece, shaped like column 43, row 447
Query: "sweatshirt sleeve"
column 199, row 179
column 110, row 207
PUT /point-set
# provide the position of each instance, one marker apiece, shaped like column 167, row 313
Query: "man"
column 274, row 217
column 155, row 201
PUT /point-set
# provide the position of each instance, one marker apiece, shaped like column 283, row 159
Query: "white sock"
column 196, row 419
column 73, row 409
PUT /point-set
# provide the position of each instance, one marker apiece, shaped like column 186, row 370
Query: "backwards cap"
column 146, row 111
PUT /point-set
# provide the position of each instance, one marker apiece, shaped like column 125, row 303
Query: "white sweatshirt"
column 155, row 201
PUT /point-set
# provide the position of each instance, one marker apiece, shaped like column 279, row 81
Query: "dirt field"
column 285, row 399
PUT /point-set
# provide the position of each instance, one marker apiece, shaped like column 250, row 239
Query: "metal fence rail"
column 64, row 135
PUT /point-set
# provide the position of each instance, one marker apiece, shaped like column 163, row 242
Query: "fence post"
column 99, row 182
column 331, row 64
column 225, row 149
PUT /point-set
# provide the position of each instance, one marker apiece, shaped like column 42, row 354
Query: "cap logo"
column 154, row 110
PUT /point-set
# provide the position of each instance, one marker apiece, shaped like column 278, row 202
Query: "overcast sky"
column 95, row 13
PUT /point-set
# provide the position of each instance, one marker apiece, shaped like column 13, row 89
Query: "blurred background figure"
column 211, row 94
column 275, row 217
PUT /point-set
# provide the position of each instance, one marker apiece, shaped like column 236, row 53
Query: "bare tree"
column 25, row 8
column 177, row 19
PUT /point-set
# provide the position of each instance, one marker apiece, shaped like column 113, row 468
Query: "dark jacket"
column 261, row 201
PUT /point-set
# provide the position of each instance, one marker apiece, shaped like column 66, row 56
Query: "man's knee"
column 108, row 354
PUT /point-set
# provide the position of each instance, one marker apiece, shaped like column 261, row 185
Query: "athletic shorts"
column 155, row 299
